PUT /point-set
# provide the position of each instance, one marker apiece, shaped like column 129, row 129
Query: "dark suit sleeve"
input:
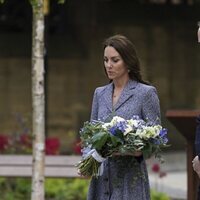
column 197, row 137
column 151, row 106
column 94, row 111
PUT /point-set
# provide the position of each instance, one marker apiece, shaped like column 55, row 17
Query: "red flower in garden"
column 77, row 147
column 52, row 146
column 3, row 142
column 26, row 140
column 156, row 168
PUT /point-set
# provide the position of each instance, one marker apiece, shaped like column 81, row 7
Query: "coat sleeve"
column 94, row 116
column 94, row 110
column 151, row 106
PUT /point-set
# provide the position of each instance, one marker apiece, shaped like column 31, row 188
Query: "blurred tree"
column 38, row 100
column 39, row 8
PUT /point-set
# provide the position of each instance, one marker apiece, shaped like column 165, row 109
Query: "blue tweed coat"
column 123, row 177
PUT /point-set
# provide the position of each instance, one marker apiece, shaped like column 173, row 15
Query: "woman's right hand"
column 136, row 154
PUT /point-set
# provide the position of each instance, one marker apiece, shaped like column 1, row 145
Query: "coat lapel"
column 126, row 93
column 107, row 95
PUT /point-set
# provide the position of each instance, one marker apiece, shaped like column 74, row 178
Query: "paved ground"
column 175, row 182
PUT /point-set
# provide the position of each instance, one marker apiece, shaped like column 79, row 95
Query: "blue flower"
column 165, row 140
column 163, row 133
column 120, row 126
column 155, row 141
column 112, row 130
column 159, row 141
column 162, row 137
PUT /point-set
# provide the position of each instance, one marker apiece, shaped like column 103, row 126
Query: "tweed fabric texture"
column 123, row 178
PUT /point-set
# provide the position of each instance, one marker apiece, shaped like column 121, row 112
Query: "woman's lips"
column 110, row 73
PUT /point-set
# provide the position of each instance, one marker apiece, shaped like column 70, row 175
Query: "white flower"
column 116, row 119
column 128, row 129
column 158, row 128
column 141, row 133
column 133, row 122
column 148, row 132
column 105, row 126
column 151, row 132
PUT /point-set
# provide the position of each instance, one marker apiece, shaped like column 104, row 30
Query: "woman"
column 124, row 176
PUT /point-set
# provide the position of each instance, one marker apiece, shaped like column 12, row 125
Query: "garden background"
column 164, row 33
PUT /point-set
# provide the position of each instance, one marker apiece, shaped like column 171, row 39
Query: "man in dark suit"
column 196, row 160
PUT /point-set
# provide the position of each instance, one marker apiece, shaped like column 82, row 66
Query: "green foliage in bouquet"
column 101, row 140
column 94, row 134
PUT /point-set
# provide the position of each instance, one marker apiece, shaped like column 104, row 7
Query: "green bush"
column 158, row 195
column 15, row 189
column 55, row 189
column 66, row 189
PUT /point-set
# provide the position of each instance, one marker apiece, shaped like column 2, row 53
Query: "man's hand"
column 196, row 165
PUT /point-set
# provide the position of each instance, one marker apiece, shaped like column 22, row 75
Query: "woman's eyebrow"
column 112, row 57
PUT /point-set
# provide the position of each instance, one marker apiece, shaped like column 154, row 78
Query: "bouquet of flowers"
column 101, row 140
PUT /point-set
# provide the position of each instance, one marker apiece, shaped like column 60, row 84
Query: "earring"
column 128, row 70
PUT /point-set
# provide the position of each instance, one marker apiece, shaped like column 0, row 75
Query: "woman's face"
column 114, row 64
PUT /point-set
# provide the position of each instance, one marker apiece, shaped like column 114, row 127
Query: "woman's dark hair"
column 127, row 51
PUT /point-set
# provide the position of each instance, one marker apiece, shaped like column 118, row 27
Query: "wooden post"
column 185, row 122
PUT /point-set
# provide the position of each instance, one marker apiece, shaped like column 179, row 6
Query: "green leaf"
column 99, row 139
column 116, row 140
column 147, row 151
column 2, row 1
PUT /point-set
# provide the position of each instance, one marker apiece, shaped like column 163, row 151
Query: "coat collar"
column 125, row 95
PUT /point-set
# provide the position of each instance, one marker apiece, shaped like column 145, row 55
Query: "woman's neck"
column 120, row 84
column 118, row 88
